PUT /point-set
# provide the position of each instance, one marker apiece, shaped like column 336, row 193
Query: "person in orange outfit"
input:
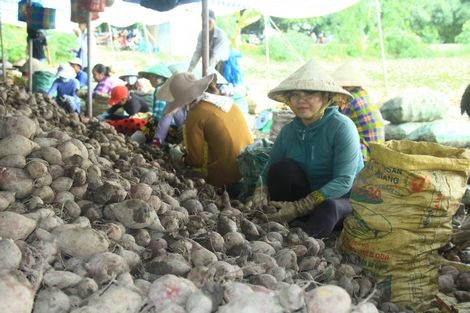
column 215, row 130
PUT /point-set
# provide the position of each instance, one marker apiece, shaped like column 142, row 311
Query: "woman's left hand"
column 176, row 153
column 290, row 210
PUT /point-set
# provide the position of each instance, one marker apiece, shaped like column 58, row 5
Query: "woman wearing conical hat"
column 157, row 75
column 157, row 128
column 315, row 157
column 366, row 117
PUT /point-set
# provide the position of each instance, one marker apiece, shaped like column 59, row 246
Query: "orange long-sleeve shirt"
column 213, row 139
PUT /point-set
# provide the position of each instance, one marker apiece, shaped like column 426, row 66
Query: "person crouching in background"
column 367, row 117
column 64, row 89
column 128, row 113
column 214, row 132
column 81, row 75
column 157, row 76
column 42, row 77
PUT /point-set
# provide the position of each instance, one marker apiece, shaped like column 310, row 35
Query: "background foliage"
column 408, row 27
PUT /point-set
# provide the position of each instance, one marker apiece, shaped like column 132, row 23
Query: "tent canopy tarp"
column 282, row 8
column 124, row 13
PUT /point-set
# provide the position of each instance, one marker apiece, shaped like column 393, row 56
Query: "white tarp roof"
column 121, row 14
column 282, row 8
column 124, row 13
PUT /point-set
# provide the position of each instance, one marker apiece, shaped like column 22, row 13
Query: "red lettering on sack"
column 417, row 184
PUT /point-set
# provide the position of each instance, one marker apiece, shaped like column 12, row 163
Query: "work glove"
column 259, row 198
column 176, row 153
column 290, row 210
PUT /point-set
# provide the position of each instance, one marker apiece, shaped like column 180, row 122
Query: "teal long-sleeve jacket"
column 328, row 150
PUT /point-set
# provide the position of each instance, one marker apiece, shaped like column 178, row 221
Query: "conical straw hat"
column 159, row 69
column 312, row 77
column 350, row 74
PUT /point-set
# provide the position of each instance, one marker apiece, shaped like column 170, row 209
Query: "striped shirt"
column 104, row 86
column 366, row 117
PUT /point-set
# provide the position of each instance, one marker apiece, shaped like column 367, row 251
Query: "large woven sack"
column 415, row 105
column 403, row 202
column 280, row 118
column 400, row 131
column 100, row 104
column 78, row 15
column 455, row 133
column 42, row 81
column 92, row 5
column 40, row 17
column 23, row 6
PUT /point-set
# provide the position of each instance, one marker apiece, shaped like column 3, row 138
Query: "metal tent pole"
column 4, row 72
column 382, row 48
column 205, row 37
column 30, row 61
column 89, row 53
column 266, row 43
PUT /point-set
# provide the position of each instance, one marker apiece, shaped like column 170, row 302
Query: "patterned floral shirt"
column 366, row 117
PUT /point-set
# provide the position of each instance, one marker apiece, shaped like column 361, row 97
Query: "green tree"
column 436, row 21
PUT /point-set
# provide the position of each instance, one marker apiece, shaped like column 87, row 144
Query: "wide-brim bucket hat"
column 181, row 89
column 350, row 74
column 66, row 71
column 76, row 61
column 130, row 79
column 156, row 70
column 310, row 76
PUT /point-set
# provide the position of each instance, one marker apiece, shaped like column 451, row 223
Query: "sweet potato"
column 80, row 242
column 16, row 144
column 16, row 293
column 16, row 180
column 132, row 213
column 6, row 198
column 15, row 226
column 115, row 299
column 170, row 289
column 10, row 255
column 51, row 300
column 140, row 191
column 20, row 125
column 328, row 299
column 13, row 160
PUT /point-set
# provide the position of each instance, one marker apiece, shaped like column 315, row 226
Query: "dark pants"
column 287, row 181
column 116, row 117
